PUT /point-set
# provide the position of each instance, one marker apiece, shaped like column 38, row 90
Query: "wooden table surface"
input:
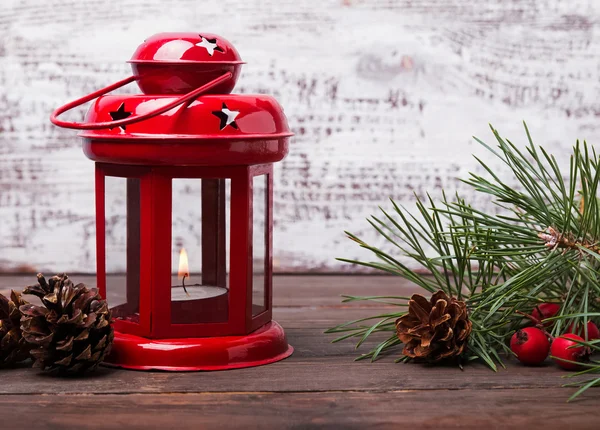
column 320, row 386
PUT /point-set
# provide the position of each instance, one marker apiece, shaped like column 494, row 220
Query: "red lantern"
column 187, row 129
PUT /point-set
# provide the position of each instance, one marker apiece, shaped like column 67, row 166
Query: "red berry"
column 592, row 329
column 561, row 348
column 545, row 310
column 531, row 345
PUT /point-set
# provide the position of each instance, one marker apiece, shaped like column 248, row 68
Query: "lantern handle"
column 132, row 119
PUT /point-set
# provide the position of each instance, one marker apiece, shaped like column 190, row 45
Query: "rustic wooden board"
column 472, row 409
column 383, row 97
column 319, row 386
column 288, row 291
column 299, row 373
column 306, row 301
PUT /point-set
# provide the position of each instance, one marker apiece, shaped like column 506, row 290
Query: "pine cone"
column 71, row 332
column 434, row 329
column 13, row 348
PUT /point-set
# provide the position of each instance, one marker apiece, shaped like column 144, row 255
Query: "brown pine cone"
column 13, row 348
column 434, row 329
column 71, row 332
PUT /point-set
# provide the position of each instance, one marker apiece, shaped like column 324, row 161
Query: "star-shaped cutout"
column 120, row 114
column 210, row 45
column 226, row 116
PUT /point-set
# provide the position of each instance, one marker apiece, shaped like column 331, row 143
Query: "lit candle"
column 185, row 292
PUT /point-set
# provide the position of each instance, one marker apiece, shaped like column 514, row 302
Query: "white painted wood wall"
column 383, row 97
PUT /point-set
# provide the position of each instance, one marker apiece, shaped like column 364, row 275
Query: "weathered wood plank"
column 320, row 386
column 472, row 409
column 312, row 302
column 298, row 373
column 308, row 307
column 288, row 291
column 382, row 95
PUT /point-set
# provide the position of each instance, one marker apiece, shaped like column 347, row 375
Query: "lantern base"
column 266, row 345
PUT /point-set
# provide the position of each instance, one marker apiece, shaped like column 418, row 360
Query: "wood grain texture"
column 474, row 409
column 383, row 96
column 318, row 387
column 296, row 374
column 289, row 291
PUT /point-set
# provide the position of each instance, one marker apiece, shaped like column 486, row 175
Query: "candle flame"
column 184, row 270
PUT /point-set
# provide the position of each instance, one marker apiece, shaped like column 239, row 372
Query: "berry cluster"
column 531, row 345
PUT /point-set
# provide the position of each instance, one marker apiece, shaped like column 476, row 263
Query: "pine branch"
column 441, row 244
column 543, row 244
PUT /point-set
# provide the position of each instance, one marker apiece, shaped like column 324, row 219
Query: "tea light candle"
column 182, row 293
column 196, row 292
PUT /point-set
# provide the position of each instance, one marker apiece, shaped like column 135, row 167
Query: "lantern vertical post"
column 100, row 231
column 146, row 220
column 161, row 256
column 240, row 276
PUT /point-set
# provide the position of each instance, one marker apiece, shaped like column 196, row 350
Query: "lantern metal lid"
column 176, row 63
column 183, row 48
column 220, row 117
column 213, row 130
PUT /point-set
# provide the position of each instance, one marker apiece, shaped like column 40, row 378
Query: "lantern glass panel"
column 122, row 226
column 199, row 266
column 259, row 242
